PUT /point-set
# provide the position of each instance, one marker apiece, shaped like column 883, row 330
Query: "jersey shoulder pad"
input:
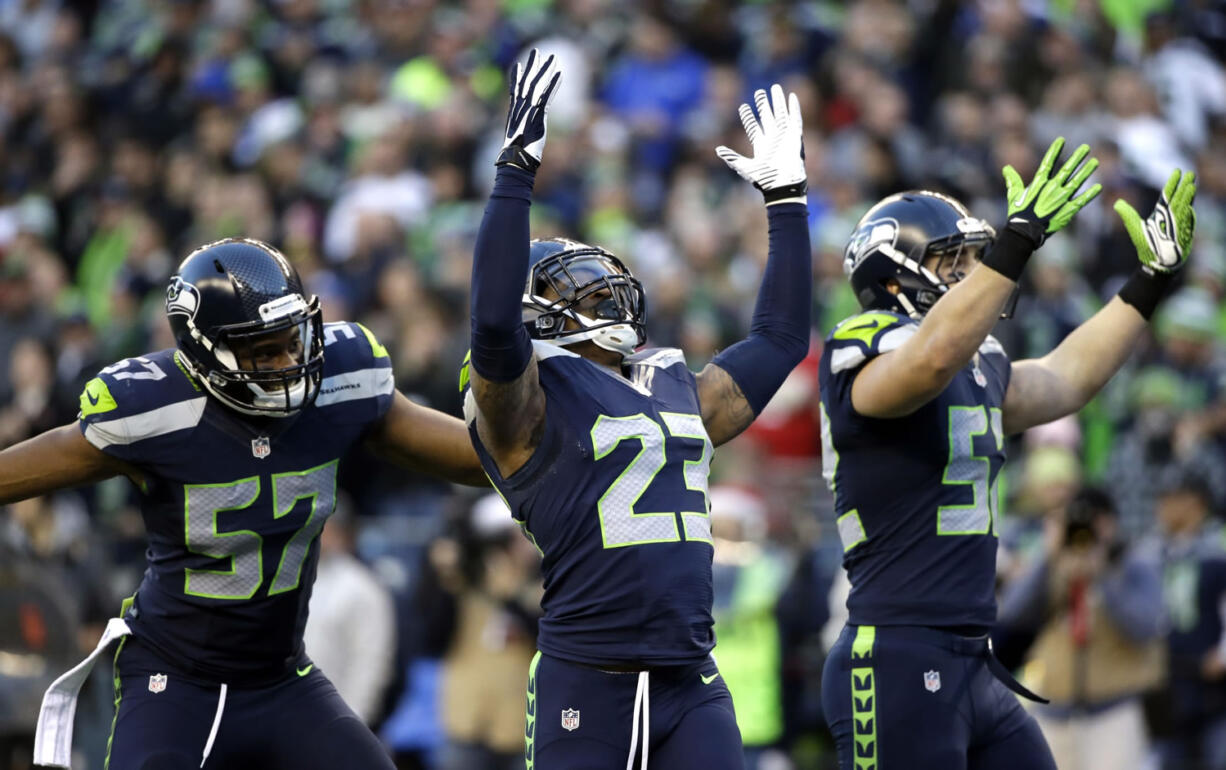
column 546, row 350
column 356, row 365
column 350, row 345
column 140, row 398
column 991, row 346
column 857, row 339
column 663, row 358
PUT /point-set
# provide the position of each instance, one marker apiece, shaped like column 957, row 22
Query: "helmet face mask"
column 245, row 329
column 252, row 382
column 910, row 248
column 577, row 292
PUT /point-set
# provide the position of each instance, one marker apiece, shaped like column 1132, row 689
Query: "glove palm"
column 1047, row 204
column 777, row 167
column 1163, row 239
column 532, row 87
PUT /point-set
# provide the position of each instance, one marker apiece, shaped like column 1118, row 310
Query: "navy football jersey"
column 916, row 496
column 232, row 504
column 615, row 498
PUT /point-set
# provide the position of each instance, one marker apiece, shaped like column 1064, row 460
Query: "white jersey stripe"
column 138, row 427
column 350, row 386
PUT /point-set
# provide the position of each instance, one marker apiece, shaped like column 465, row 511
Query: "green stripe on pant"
column 110, row 739
column 530, row 728
column 863, row 698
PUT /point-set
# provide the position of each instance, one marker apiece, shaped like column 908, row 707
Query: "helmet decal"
column 869, row 236
column 182, row 298
column 280, row 308
column 885, row 256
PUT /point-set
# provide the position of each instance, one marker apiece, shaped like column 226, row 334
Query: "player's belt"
column 53, row 739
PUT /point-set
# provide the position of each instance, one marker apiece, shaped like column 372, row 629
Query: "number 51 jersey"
column 915, row 496
column 232, row 504
column 615, row 498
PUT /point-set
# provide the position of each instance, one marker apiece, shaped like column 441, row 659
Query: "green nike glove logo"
column 305, row 671
column 708, row 679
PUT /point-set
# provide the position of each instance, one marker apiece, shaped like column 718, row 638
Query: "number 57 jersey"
column 232, row 505
column 915, row 496
column 615, row 498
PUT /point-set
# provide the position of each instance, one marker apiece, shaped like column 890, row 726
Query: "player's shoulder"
column 862, row 336
column 660, row 358
column 349, row 345
column 356, row 365
column 992, row 347
column 141, row 397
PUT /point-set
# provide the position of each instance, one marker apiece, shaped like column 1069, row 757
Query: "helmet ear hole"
column 893, row 286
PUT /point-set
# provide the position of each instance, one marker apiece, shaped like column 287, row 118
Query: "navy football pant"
column 912, row 698
column 580, row 718
column 299, row 723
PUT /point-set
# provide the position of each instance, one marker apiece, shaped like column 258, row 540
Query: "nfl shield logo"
column 570, row 718
column 932, row 681
column 260, row 447
column 157, row 682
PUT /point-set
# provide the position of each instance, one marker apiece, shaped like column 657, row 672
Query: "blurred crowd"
column 359, row 136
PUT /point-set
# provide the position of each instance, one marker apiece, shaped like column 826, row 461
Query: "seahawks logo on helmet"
column 182, row 298
column 869, row 236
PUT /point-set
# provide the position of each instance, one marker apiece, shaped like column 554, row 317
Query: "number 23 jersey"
column 233, row 505
column 615, row 498
column 915, row 496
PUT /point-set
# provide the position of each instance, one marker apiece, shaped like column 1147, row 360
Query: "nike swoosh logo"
column 93, row 400
column 305, row 671
column 708, row 679
column 1020, row 221
column 873, row 324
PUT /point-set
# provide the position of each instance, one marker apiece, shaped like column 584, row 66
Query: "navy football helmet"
column 563, row 277
column 894, row 238
column 228, row 298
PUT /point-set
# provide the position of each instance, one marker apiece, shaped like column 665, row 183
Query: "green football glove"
column 1163, row 239
column 1047, row 204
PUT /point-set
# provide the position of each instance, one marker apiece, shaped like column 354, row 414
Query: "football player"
column 916, row 402
column 233, row 439
column 602, row 453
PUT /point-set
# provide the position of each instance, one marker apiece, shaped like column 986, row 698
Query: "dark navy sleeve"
column 779, row 333
column 501, row 348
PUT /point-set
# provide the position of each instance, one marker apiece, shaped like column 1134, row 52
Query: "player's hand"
column 1163, row 239
column 777, row 167
column 532, row 86
column 1047, row 204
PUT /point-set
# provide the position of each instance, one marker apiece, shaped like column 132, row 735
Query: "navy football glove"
column 532, row 86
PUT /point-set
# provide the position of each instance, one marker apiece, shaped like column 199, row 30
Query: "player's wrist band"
column 793, row 193
column 1009, row 254
column 1145, row 288
column 517, row 157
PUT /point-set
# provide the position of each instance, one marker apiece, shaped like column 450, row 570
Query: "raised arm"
column 1063, row 381
column 510, row 404
column 901, row 381
column 58, row 458
column 738, row 383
